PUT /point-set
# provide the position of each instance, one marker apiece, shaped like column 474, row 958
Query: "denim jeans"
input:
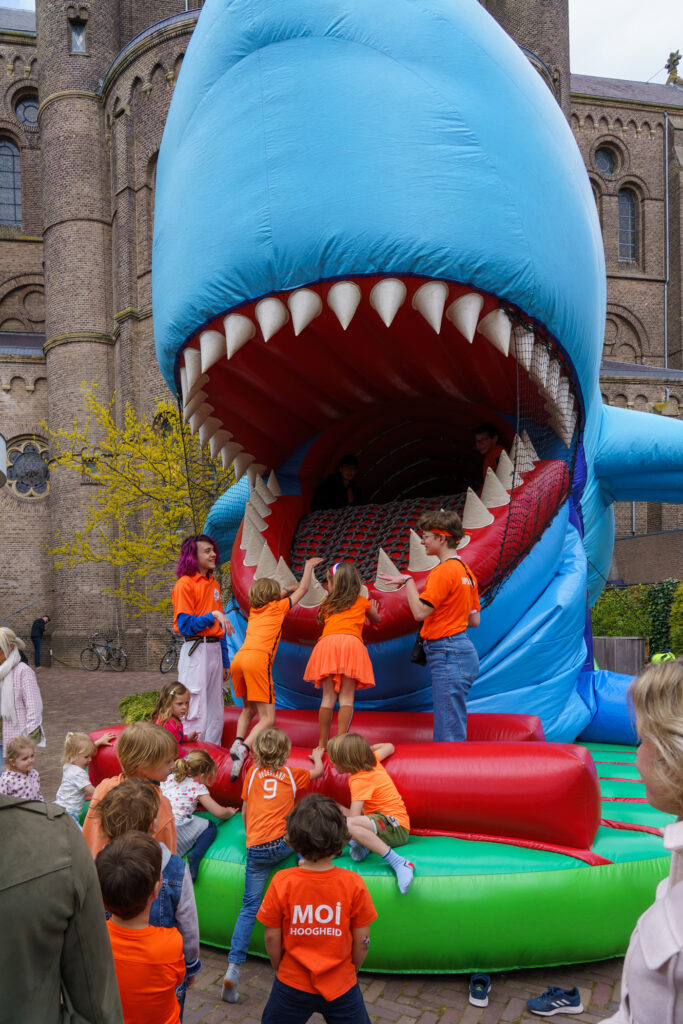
column 287, row 1005
column 260, row 863
column 454, row 665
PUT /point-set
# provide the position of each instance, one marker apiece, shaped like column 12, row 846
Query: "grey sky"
column 611, row 38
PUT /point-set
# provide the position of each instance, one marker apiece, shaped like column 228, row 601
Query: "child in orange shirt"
column 268, row 796
column 340, row 663
column 149, row 961
column 145, row 751
column 317, row 924
column 376, row 805
column 252, row 667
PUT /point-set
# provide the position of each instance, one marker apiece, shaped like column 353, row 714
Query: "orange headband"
column 443, row 533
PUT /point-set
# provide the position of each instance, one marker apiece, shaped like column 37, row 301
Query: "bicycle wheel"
column 168, row 662
column 118, row 659
column 90, row 659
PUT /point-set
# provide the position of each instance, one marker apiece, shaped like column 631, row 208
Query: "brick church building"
column 86, row 90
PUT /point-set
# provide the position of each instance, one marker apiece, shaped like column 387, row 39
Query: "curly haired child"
column 377, row 807
column 185, row 788
column 252, row 667
column 170, row 710
column 339, row 663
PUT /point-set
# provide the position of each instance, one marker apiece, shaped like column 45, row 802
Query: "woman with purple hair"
column 199, row 617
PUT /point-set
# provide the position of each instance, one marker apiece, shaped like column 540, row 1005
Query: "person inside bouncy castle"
column 447, row 607
column 489, row 447
column 204, row 663
column 340, row 489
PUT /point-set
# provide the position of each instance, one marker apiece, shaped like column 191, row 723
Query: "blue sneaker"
column 480, row 986
column 556, row 1000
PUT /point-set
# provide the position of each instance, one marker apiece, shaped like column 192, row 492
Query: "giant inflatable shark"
column 373, row 231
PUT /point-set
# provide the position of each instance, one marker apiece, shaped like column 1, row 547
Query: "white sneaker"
column 239, row 760
column 229, row 993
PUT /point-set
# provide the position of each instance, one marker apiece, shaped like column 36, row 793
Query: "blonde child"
column 268, row 795
column 170, row 710
column 339, row 662
column 133, row 807
column 185, row 788
column 75, row 787
column 20, row 777
column 376, row 805
column 252, row 667
column 145, row 751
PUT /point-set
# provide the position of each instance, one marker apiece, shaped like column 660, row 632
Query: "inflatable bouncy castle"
column 374, row 231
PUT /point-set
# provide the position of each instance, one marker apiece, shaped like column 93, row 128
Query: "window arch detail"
column 10, row 183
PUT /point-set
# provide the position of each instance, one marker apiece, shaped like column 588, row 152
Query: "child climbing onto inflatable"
column 252, row 667
column 170, row 710
column 377, row 807
column 339, row 663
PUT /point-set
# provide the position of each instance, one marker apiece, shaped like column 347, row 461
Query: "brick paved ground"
column 84, row 700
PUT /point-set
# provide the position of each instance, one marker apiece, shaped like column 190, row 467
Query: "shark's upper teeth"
column 493, row 494
column 304, row 305
column 520, row 456
column 475, row 515
column 263, row 490
column 430, row 299
column 238, row 330
column 273, row 485
column 343, row 299
column 271, row 315
column 387, row 297
column 198, row 417
column 240, row 464
column 228, row 453
column 255, row 470
column 464, row 313
column 523, row 342
column 218, row 441
column 193, row 367
column 191, row 407
column 208, row 428
column 496, row 327
column 538, row 371
column 211, row 348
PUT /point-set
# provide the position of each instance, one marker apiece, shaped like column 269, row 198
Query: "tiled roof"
column 622, row 89
column 638, row 371
column 13, row 20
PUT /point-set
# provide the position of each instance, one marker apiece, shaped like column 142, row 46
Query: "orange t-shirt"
column 376, row 789
column 317, row 911
column 265, row 626
column 491, row 459
column 149, row 964
column 350, row 621
column 452, row 591
column 197, row 595
column 269, row 796
column 92, row 833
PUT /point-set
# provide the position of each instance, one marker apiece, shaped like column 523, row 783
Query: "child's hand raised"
column 316, row 754
column 192, row 737
column 313, row 562
column 106, row 739
column 375, row 606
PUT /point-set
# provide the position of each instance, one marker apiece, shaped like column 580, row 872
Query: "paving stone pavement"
column 79, row 700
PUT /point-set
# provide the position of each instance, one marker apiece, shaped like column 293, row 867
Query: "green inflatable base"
column 481, row 905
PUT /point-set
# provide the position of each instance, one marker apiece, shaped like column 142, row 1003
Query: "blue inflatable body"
column 396, row 147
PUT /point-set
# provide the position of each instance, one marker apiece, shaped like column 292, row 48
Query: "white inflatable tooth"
column 520, row 456
column 315, row 595
column 506, row 472
column 238, row 330
column 497, row 328
column 197, row 386
column 343, row 299
column 271, row 315
column 273, row 485
column 529, row 446
column 263, row 491
column 259, row 505
column 255, row 518
column 464, row 313
column 194, row 403
column 539, row 366
column 564, row 400
column 255, row 545
column 208, row 429
column 218, row 441
column 229, row 452
column 429, row 300
column 552, row 381
column 304, row 305
column 284, row 574
column 463, row 543
column 198, row 417
column 385, row 564
column 211, row 347
column 267, row 564
column 387, row 297
column 240, row 464
column 493, row 494
column 193, row 366
column 524, row 346
column 183, row 384
column 419, row 560
column 475, row 515
column 259, row 469
column 248, row 530
column 364, row 592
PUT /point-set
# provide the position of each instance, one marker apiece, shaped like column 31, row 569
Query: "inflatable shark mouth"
column 399, row 371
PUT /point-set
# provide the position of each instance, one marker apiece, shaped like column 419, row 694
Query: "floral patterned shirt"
column 22, row 784
column 183, row 796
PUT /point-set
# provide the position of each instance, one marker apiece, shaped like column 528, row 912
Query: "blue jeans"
column 287, row 1005
column 260, row 863
column 454, row 665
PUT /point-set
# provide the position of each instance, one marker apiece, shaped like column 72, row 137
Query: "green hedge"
column 676, row 623
column 644, row 609
column 137, row 707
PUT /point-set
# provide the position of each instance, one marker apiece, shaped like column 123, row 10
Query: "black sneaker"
column 556, row 1000
column 480, row 986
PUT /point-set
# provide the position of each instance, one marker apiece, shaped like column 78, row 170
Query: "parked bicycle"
column 170, row 658
column 104, row 649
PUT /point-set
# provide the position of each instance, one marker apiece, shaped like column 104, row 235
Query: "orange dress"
column 340, row 651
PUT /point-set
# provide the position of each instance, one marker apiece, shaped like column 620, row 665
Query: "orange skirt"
column 340, row 655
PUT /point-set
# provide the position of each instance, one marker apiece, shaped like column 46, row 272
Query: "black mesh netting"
column 546, row 417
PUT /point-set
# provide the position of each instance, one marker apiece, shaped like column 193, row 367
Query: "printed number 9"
column 269, row 788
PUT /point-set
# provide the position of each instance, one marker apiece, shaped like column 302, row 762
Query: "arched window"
column 627, row 226
column 10, row 183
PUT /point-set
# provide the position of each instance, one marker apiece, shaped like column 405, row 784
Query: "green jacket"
column 56, row 964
